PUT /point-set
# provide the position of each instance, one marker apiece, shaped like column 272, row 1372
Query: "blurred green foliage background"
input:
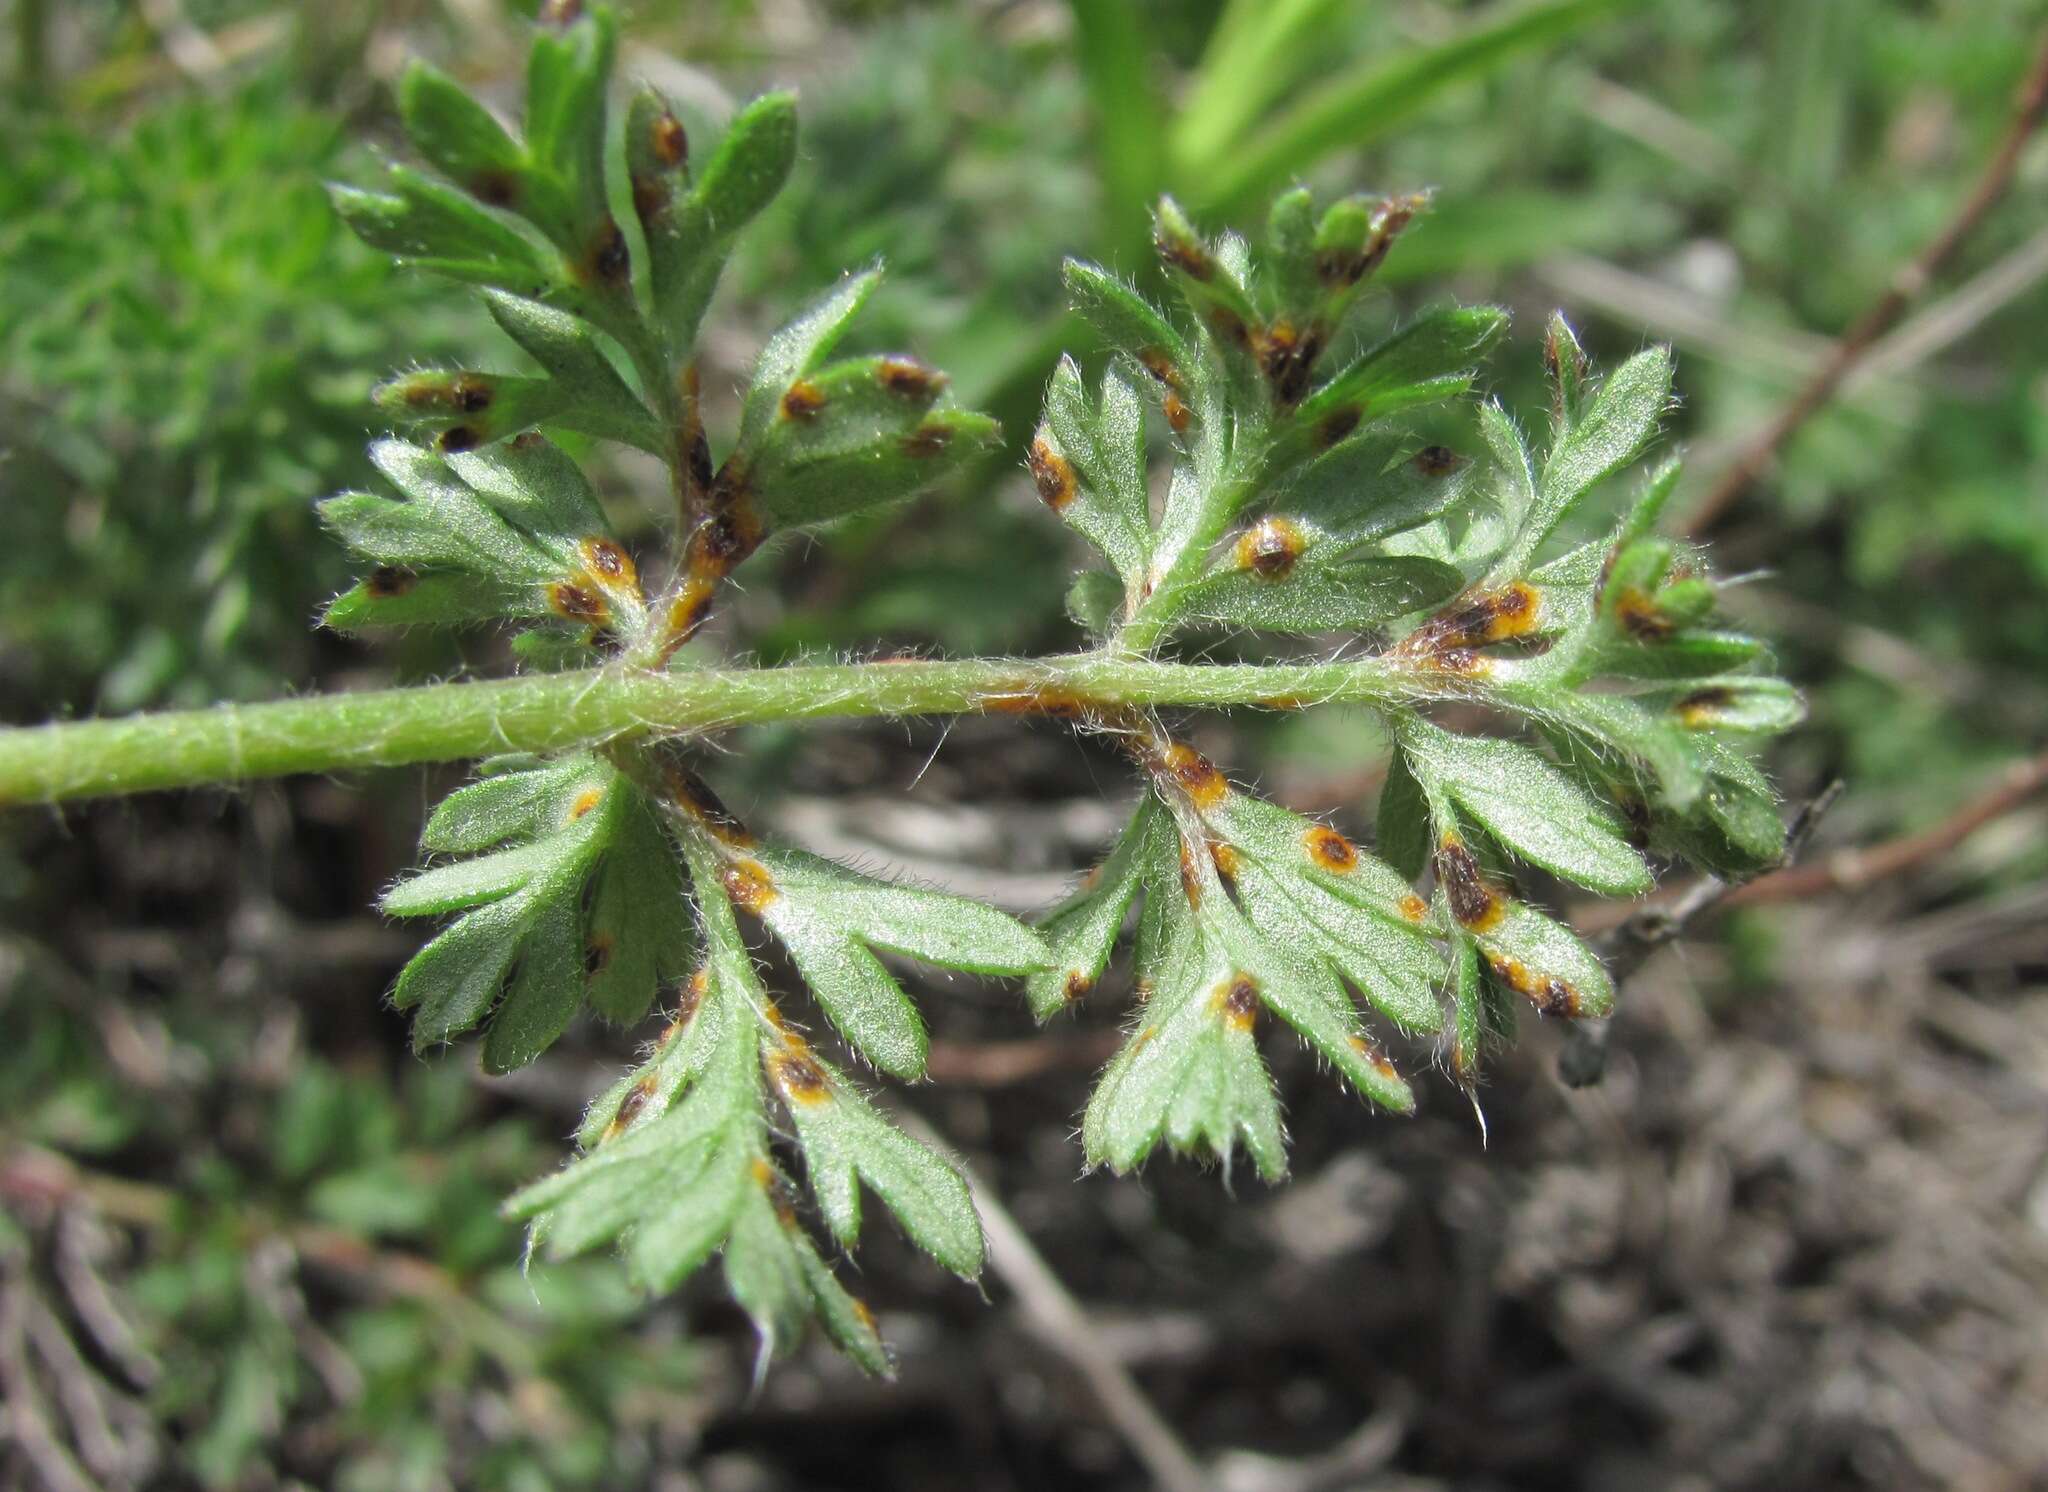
column 187, row 336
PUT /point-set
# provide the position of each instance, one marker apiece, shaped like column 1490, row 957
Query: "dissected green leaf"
column 1528, row 806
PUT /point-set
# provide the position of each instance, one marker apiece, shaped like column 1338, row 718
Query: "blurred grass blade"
column 1129, row 115
column 1361, row 105
column 1253, row 54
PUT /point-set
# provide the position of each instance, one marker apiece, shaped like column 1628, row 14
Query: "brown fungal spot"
column 1331, row 850
column 802, row 401
column 668, row 140
column 472, row 394
column 688, row 792
column 748, row 885
column 1414, row 908
column 458, row 438
column 907, row 378
column 586, row 800
column 1283, row 702
column 1702, row 707
column 597, row 956
column 567, row 599
column 560, row 12
column 650, row 198
column 604, row 558
column 687, row 1002
column 1287, row 354
column 697, row 458
column 799, row 1078
column 495, row 188
column 1636, row 814
column 630, row 1106
column 1184, row 255
column 608, row 262
column 1052, row 473
column 1237, row 998
column 1269, row 548
column 389, row 581
column 1338, row 423
column 1473, row 901
column 1178, row 415
column 1229, row 326
column 1194, row 774
column 1078, row 986
column 927, row 440
column 1190, row 877
column 1640, row 616
column 1461, row 661
column 1435, row 461
column 528, row 440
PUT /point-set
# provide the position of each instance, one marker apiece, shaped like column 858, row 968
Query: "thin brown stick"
column 1851, row 869
column 1906, row 286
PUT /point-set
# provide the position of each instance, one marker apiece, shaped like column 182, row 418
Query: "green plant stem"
column 550, row 712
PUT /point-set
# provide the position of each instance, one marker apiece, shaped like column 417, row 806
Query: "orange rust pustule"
column 1549, row 994
column 1703, row 707
column 597, row 956
column 606, row 560
column 1473, row 901
column 907, row 378
column 1338, row 423
column 799, row 1078
column 586, row 800
column 1342, row 268
column 1237, row 1000
column 1491, row 616
column 1078, row 986
column 697, row 459
column 862, row 1311
column 1178, row 415
column 687, row 615
column 1330, row 850
column 802, row 401
column 1052, row 473
column 1414, row 908
column 1226, row 858
column 724, row 539
column 926, row 441
column 1640, row 616
column 1435, row 461
column 1229, row 327
column 1193, row 773
column 1160, row 366
column 669, row 141
column 608, row 262
column 1270, row 548
column 1143, row 1038
column 576, row 603
column 764, row 1174
column 748, row 885
column 1283, row 702
column 1375, row 1057
column 389, row 581
column 1054, row 704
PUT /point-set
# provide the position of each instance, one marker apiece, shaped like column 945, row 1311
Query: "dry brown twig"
column 1906, row 286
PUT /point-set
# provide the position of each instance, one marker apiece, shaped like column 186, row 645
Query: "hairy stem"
column 549, row 712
